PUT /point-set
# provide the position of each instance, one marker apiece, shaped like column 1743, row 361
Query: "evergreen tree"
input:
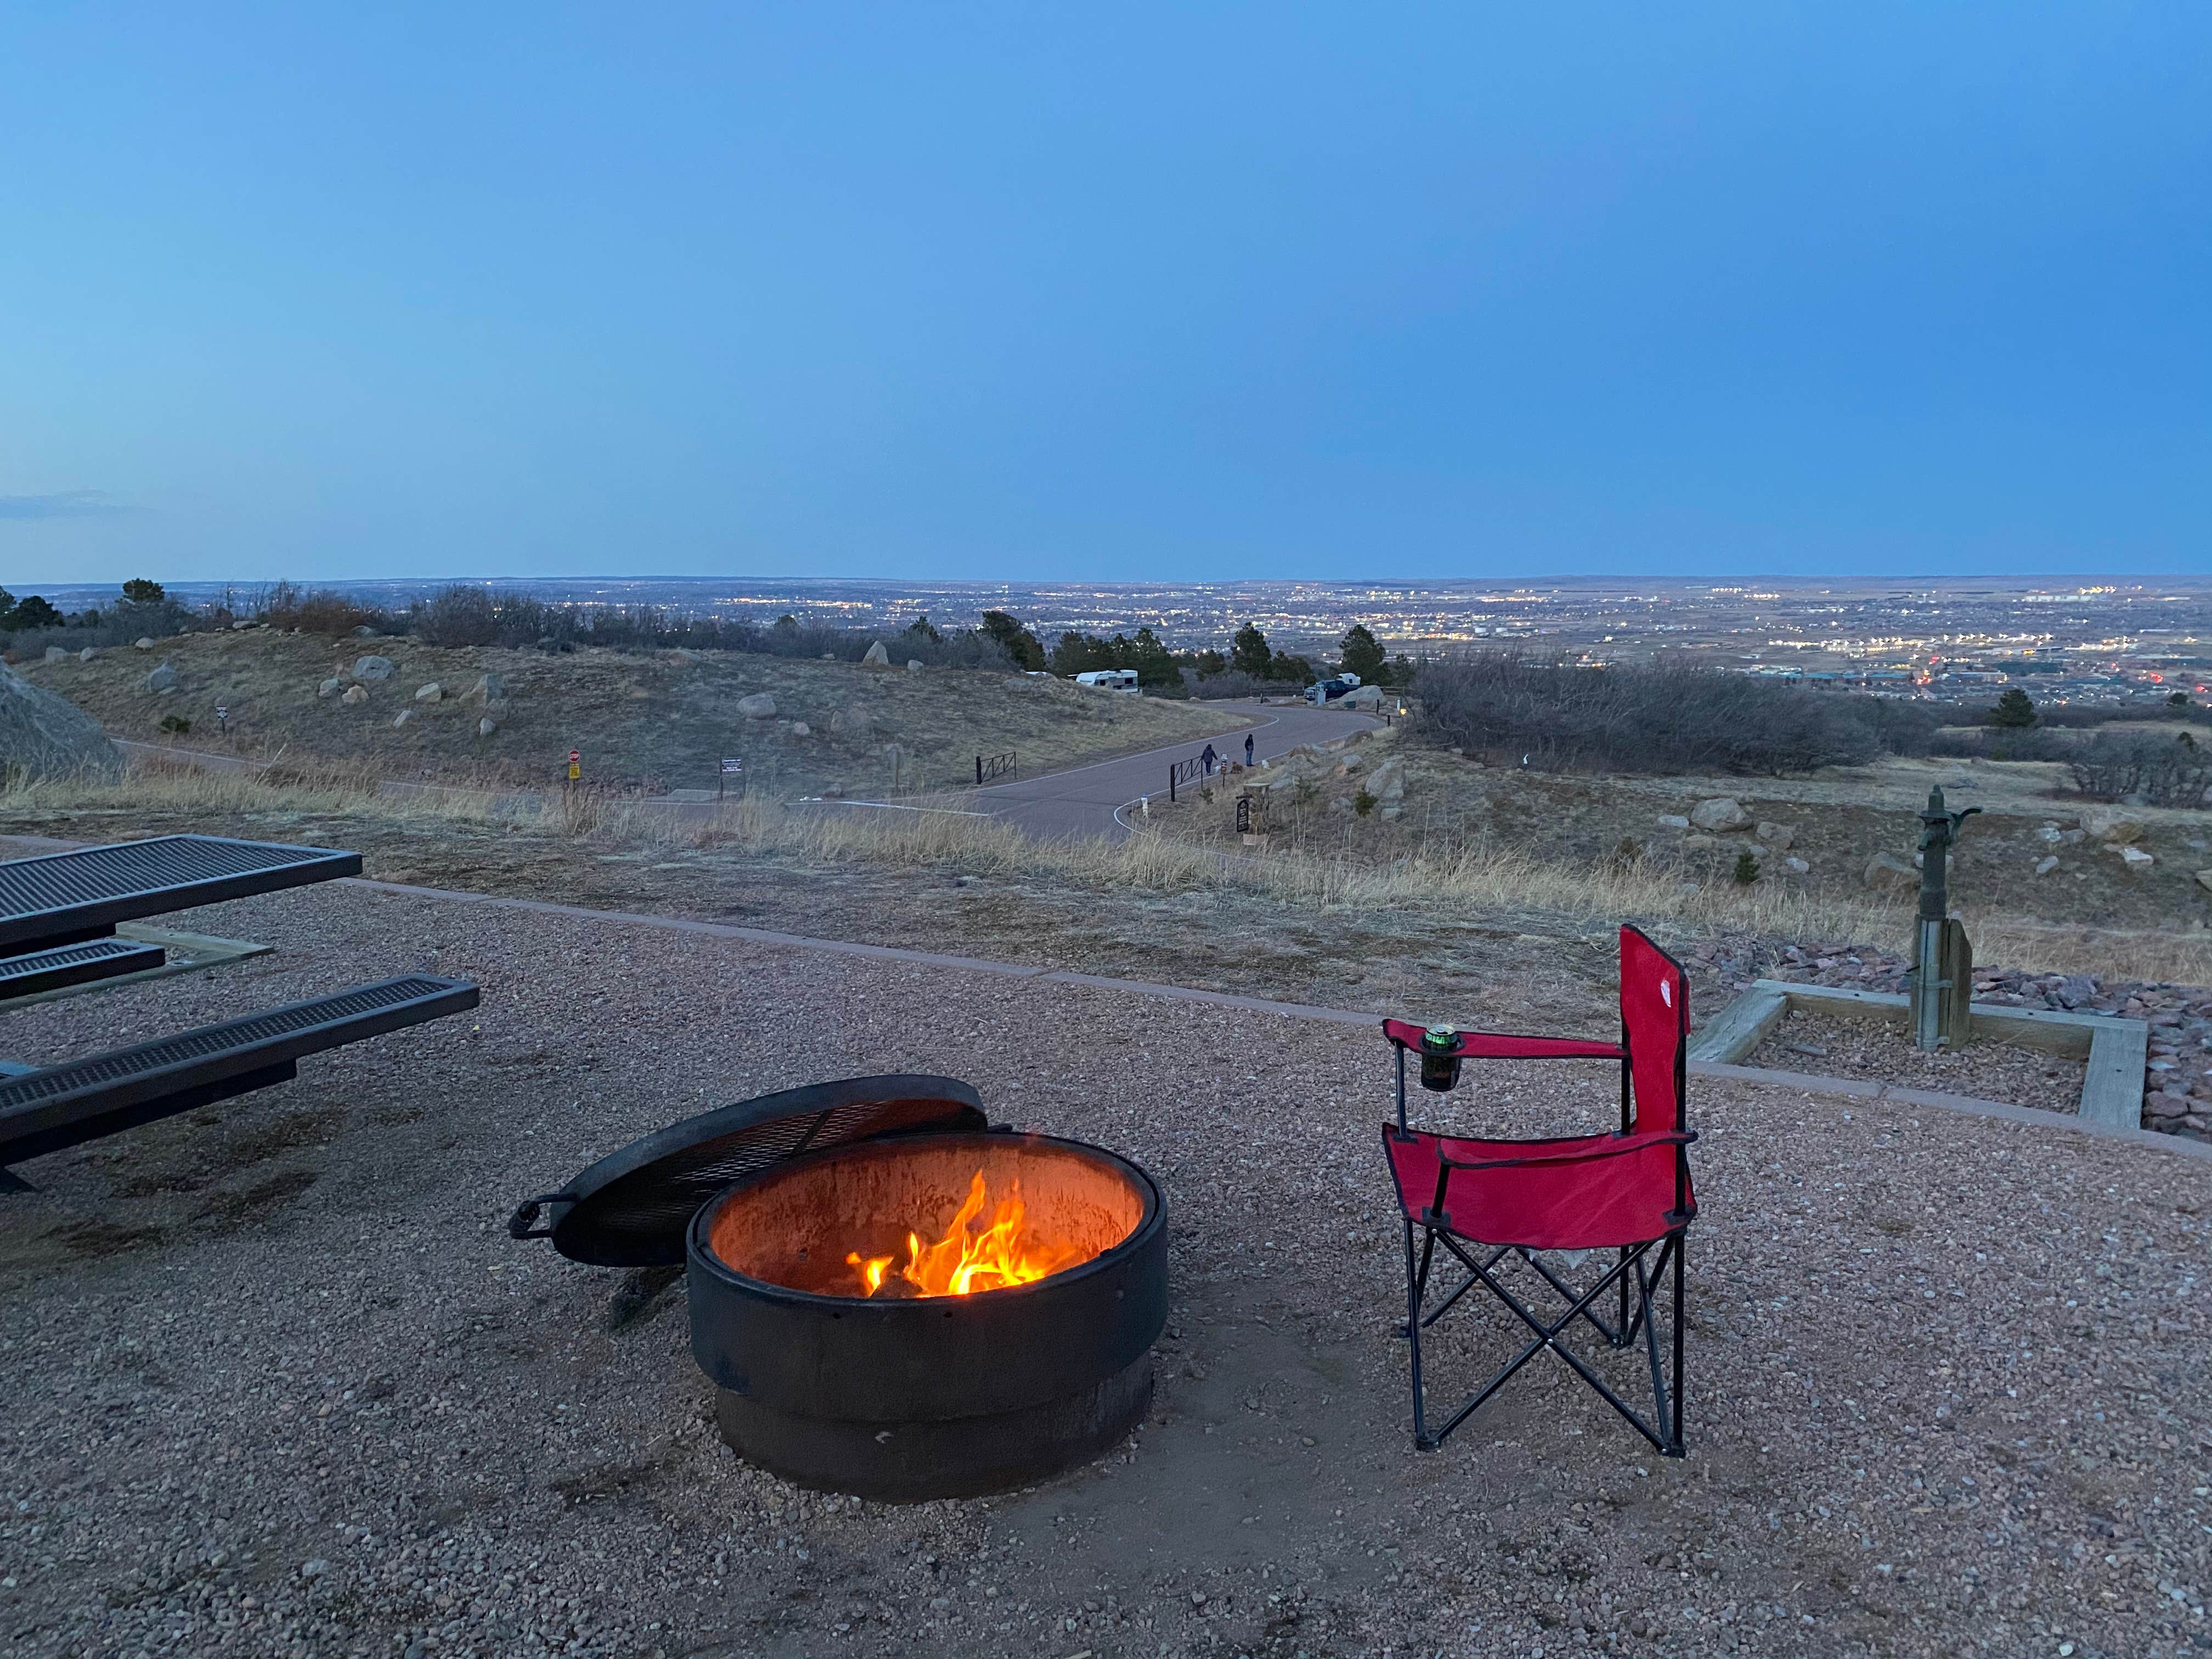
column 139, row 591
column 1362, row 655
column 1023, row 646
column 2014, row 709
column 1248, row 653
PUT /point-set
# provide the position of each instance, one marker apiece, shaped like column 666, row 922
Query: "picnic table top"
column 60, row 896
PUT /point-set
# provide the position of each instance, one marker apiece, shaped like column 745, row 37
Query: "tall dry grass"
column 1436, row 889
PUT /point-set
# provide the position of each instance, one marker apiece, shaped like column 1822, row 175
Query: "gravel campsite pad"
column 1882, row 1052
column 279, row 1382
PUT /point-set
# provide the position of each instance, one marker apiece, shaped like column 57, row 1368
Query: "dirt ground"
column 656, row 720
column 281, row 1384
column 1879, row 1052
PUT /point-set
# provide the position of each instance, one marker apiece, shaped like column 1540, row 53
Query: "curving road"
column 1083, row 801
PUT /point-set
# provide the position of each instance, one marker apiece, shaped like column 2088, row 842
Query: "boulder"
column 1795, row 866
column 1698, row 839
column 143, row 642
column 1673, row 821
column 356, row 694
column 85, row 655
column 1720, row 814
column 329, row 688
column 1886, row 873
column 913, row 667
column 42, row 735
column 2109, row 823
column 244, row 622
column 402, row 717
column 55, row 653
column 2049, row 832
column 364, row 632
column 1352, row 763
column 877, row 657
column 432, row 692
column 488, row 688
column 486, row 726
column 801, row 729
column 2045, row 864
column 163, row 678
column 1780, row 836
column 758, row 707
column 859, row 720
column 374, row 668
column 2136, row 859
column 2204, row 879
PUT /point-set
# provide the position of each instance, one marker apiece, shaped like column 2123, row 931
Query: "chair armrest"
column 1506, row 1045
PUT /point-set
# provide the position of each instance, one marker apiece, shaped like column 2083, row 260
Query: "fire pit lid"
column 632, row 1208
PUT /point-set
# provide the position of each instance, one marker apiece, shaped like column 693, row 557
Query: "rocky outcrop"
column 877, row 657
column 374, row 668
column 42, row 735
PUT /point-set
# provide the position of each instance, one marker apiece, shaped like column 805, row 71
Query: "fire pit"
column 933, row 1315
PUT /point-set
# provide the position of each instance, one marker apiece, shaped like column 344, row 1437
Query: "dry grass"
column 1440, row 885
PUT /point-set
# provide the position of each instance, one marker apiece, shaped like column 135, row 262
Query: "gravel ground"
column 1805, row 1041
column 280, row 1384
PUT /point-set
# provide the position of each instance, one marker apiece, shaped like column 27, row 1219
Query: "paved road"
column 1083, row 801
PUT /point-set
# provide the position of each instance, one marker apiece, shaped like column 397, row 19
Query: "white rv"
column 1109, row 679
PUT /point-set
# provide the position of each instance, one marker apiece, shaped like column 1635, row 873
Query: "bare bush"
column 1663, row 717
column 2156, row 769
column 456, row 616
column 323, row 612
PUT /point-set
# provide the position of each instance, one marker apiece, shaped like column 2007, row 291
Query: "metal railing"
column 994, row 766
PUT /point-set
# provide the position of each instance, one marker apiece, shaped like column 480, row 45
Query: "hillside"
column 650, row 721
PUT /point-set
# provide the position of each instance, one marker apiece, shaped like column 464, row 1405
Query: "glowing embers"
column 974, row 1255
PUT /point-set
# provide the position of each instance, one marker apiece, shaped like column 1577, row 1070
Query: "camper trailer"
column 1109, row 679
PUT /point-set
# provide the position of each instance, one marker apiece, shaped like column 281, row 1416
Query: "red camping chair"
column 1483, row 1201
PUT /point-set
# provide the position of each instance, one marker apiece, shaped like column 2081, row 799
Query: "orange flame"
column 967, row 1258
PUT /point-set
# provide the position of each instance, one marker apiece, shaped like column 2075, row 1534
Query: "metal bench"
column 60, row 898
column 37, row 971
column 80, row 1100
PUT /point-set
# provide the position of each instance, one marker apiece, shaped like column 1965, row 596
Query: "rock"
column 143, row 642
column 1720, row 813
column 356, row 694
column 45, row 736
column 488, row 688
column 2109, row 823
column 85, row 655
column 364, row 632
column 2072, row 837
column 163, row 678
column 2043, row 866
column 1352, row 763
column 913, row 667
column 2049, row 832
column 877, row 657
column 758, row 707
column 1700, row 839
column 1780, row 836
column 1393, row 809
column 243, row 623
column 402, row 717
column 374, row 668
column 859, row 720
column 432, row 692
column 329, row 688
column 2136, row 859
column 1887, row 874
column 801, row 729
column 1795, row 866
column 1673, row 821
column 486, row 726
column 2204, row 879
column 55, row 653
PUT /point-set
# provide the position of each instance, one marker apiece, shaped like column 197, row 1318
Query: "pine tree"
column 1362, row 655
column 2014, row 709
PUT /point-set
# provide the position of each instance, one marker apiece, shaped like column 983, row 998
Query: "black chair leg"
column 1414, row 1277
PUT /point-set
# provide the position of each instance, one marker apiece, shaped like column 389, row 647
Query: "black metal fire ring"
column 934, row 1396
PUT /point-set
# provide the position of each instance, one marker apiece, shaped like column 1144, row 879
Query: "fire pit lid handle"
column 522, row 1223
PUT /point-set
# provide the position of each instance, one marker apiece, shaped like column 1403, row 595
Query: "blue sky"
column 1135, row 292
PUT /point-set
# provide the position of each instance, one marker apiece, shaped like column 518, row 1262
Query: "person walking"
column 1247, row 752
column 1207, row 758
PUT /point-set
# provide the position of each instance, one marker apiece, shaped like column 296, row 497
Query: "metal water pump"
column 1943, row 960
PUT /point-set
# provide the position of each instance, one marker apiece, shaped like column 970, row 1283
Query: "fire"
column 970, row 1257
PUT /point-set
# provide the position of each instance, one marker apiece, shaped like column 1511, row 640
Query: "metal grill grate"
column 102, row 885
column 256, row 1029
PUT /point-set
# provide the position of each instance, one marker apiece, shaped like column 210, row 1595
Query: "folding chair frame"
column 1664, row 1429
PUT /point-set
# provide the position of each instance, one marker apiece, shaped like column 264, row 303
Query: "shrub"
column 457, row 615
column 1363, row 803
column 323, row 612
column 175, row 725
column 1662, row 717
column 1746, row 871
column 2161, row 771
